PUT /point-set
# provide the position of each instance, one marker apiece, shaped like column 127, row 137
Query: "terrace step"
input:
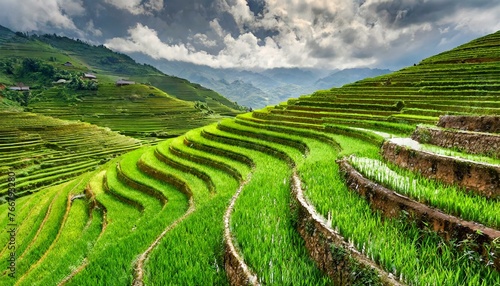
column 209, row 160
column 394, row 205
column 351, row 106
column 249, row 121
column 116, row 190
column 244, row 217
column 490, row 124
column 166, row 154
column 49, row 231
column 81, row 230
column 144, row 187
column 320, row 239
column 481, row 178
column 209, row 147
column 263, row 135
column 59, row 141
column 469, row 141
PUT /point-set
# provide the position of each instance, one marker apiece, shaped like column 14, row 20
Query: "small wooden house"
column 89, row 76
column 68, row 64
column 124, row 82
column 61, row 81
column 20, row 88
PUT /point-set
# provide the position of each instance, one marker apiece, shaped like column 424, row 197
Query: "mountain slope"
column 261, row 88
column 157, row 104
column 462, row 81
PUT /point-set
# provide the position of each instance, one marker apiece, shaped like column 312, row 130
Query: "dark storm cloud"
column 320, row 52
column 349, row 36
column 407, row 12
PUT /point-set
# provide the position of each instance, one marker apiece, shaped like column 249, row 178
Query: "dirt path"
column 139, row 263
column 242, row 270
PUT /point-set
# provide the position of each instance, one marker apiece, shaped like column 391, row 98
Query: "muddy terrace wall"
column 479, row 178
column 393, row 205
column 470, row 142
column 489, row 124
column 236, row 272
column 332, row 254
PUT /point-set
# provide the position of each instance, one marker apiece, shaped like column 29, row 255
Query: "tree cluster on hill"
column 203, row 107
column 40, row 74
column 21, row 97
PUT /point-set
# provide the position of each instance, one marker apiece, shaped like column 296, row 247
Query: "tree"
column 21, row 97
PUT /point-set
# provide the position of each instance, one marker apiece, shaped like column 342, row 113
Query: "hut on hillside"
column 60, row 81
column 20, row 88
column 89, row 76
column 124, row 82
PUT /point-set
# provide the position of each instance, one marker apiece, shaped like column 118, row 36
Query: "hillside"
column 257, row 89
column 46, row 151
column 320, row 190
column 39, row 62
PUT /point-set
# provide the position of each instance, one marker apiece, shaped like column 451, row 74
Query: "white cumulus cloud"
column 35, row 15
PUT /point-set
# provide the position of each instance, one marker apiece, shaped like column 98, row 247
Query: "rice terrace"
column 114, row 173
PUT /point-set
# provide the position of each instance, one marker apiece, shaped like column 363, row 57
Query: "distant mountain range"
column 257, row 89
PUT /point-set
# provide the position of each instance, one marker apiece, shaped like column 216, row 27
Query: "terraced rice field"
column 46, row 151
column 139, row 111
column 321, row 190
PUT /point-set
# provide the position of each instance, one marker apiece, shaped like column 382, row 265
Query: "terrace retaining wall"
column 471, row 142
column 394, row 205
column 120, row 197
column 139, row 186
column 482, row 179
column 489, row 124
column 332, row 254
column 236, row 273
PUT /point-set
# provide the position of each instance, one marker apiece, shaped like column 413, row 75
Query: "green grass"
column 180, row 189
column 78, row 237
column 30, row 214
column 198, row 236
column 263, row 235
column 128, row 233
column 47, row 233
column 450, row 199
column 422, row 258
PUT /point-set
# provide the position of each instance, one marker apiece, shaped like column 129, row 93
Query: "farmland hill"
column 46, row 151
column 257, row 89
column 463, row 81
column 70, row 79
column 323, row 189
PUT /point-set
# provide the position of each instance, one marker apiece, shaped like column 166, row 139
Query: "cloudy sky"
column 259, row 34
